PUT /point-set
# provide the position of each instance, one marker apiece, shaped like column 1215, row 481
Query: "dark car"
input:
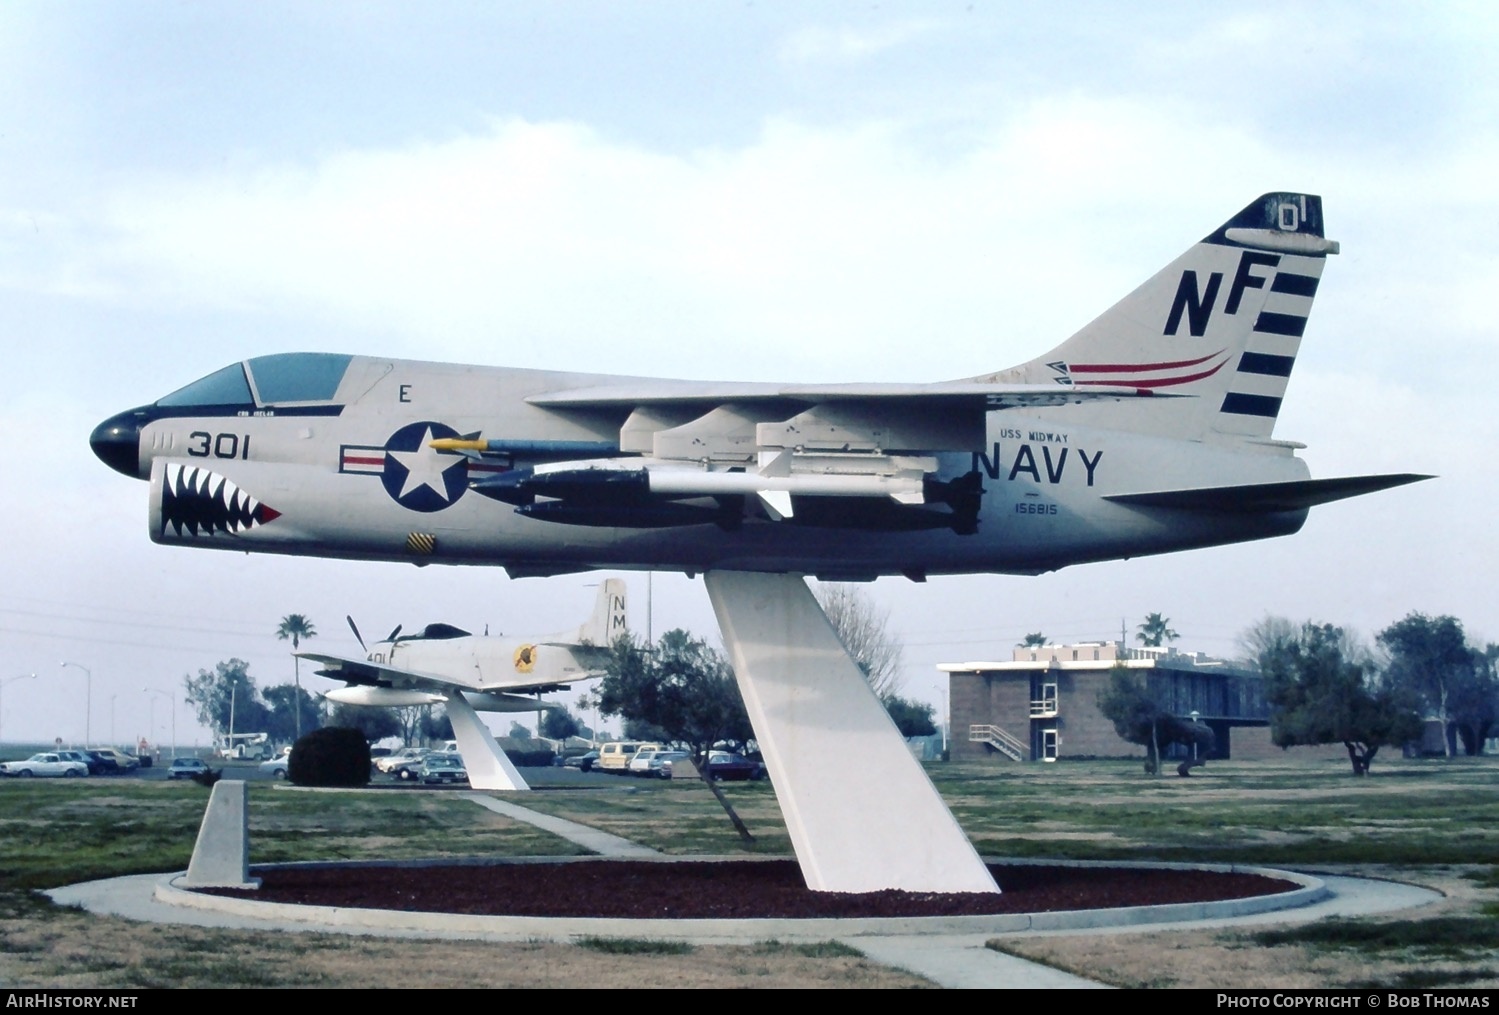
column 440, row 767
column 582, row 761
column 186, row 768
column 734, row 767
column 96, row 763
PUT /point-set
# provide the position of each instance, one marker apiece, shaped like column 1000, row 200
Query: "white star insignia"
column 425, row 467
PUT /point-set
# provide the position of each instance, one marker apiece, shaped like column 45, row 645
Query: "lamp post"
column 88, row 704
column 1193, row 715
column 11, row 680
column 172, row 697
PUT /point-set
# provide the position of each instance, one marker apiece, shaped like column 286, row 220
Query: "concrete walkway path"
column 602, row 843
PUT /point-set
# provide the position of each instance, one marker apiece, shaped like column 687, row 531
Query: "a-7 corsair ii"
column 475, row 673
column 1148, row 431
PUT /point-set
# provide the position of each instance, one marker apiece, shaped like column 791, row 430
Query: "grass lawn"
column 1432, row 822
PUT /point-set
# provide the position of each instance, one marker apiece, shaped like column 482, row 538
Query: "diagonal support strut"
column 862, row 814
column 485, row 762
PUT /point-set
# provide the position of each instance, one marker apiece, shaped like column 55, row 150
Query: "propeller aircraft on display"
column 1148, row 431
column 444, row 665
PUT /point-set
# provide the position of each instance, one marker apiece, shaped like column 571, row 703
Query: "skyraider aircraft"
column 468, row 673
column 1148, row 431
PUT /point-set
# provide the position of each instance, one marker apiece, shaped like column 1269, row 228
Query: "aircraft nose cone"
column 116, row 442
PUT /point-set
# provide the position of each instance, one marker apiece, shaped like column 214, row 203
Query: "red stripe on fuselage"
column 1161, row 382
column 1134, row 368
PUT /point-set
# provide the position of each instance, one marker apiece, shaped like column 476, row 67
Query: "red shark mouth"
column 202, row 503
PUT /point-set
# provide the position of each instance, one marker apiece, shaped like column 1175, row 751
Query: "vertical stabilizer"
column 1219, row 328
column 608, row 620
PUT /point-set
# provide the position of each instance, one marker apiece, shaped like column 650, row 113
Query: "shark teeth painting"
column 203, row 503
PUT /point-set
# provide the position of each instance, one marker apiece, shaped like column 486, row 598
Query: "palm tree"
column 1155, row 630
column 1034, row 640
column 295, row 626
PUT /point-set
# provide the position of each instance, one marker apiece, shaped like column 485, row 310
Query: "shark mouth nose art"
column 204, row 504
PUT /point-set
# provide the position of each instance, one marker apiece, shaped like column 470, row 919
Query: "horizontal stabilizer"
column 1267, row 498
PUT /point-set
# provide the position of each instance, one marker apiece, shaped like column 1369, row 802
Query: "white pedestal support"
column 486, row 764
column 221, row 856
column 862, row 814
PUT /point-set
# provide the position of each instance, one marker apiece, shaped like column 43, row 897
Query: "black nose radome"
column 117, row 442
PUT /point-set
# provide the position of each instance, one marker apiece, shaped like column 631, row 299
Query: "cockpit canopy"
column 280, row 379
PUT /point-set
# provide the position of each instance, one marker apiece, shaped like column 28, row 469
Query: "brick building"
column 1042, row 704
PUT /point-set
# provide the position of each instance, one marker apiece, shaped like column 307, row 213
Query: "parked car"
column 186, row 768
column 733, row 767
column 442, row 767
column 276, row 767
column 42, row 765
column 582, row 761
column 95, row 763
column 405, row 758
column 127, row 762
column 615, row 756
column 649, row 763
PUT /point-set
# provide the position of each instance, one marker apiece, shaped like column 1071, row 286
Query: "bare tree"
column 1272, row 634
column 1264, row 636
column 865, row 631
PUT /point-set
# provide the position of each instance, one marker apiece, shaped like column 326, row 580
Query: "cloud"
column 835, row 250
column 846, row 44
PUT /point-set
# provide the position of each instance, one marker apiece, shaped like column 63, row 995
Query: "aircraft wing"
column 845, row 455
column 370, row 674
column 363, row 671
column 955, row 395
column 1266, row 498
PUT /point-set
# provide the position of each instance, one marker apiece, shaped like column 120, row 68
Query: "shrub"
column 332, row 756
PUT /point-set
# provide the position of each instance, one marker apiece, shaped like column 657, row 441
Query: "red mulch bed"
column 728, row 889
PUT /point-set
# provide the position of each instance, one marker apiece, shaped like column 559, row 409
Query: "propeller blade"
column 355, row 628
column 392, row 635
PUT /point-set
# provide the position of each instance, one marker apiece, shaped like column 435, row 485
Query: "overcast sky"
column 768, row 191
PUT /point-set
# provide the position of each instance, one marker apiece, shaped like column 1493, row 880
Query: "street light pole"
column 11, row 680
column 172, row 697
column 88, row 704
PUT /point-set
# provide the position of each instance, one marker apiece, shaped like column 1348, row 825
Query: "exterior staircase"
column 999, row 740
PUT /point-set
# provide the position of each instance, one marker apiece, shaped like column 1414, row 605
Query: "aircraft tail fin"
column 608, row 619
column 1222, row 323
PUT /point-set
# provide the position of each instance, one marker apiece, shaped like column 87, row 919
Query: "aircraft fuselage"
column 356, row 477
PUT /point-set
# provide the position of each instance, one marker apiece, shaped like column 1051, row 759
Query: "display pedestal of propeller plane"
column 862, row 814
column 485, row 761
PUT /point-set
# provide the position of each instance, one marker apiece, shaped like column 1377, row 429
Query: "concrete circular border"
column 1307, row 890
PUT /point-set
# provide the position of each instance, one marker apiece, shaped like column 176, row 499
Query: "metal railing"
column 1001, row 741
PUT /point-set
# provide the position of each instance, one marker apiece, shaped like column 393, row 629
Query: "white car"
column 276, row 766
column 44, row 765
column 647, row 763
column 403, row 763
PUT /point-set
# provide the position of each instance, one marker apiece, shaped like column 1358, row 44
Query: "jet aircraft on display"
column 1148, row 431
column 468, row 673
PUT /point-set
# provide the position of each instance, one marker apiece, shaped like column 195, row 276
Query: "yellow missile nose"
column 457, row 444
